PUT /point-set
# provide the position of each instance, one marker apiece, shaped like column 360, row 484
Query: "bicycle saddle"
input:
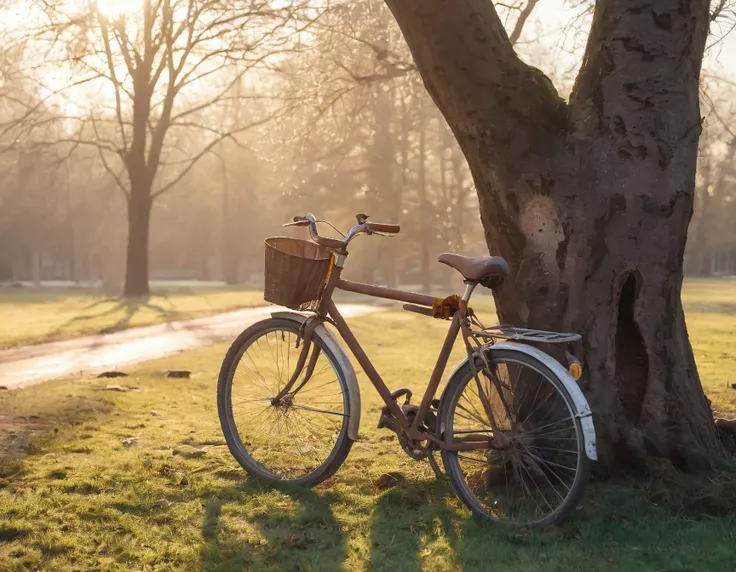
column 484, row 269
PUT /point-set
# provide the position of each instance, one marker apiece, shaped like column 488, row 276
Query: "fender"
column 579, row 403
column 343, row 362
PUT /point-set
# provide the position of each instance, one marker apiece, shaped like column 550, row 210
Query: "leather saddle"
column 490, row 271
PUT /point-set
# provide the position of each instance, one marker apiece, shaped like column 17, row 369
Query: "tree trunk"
column 35, row 267
column 589, row 201
column 382, row 159
column 699, row 259
column 424, row 222
column 136, row 262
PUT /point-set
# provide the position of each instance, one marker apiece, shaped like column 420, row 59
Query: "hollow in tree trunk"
column 589, row 201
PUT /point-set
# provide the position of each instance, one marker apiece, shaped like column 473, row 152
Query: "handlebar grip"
column 382, row 227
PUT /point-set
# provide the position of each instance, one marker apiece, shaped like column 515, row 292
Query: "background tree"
column 168, row 67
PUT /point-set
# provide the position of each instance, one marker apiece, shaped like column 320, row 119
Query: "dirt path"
column 21, row 367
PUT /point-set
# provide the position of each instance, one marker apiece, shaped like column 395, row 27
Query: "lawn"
column 32, row 316
column 95, row 479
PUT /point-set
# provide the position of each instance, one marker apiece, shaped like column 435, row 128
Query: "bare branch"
column 521, row 21
column 207, row 149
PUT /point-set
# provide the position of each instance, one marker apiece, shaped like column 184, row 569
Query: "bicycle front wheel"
column 536, row 471
column 301, row 439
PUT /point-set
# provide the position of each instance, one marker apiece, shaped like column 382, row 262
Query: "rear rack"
column 513, row 333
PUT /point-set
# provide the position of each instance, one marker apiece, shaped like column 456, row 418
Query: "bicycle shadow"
column 408, row 519
column 293, row 522
column 422, row 520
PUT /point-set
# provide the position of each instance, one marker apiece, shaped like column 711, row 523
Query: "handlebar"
column 363, row 227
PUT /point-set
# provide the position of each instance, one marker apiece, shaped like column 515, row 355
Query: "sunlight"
column 115, row 8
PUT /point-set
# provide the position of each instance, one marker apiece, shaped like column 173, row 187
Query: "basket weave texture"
column 296, row 272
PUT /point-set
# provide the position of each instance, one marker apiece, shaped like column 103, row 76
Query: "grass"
column 710, row 308
column 32, row 316
column 74, row 497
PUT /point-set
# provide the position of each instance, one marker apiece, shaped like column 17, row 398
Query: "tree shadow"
column 300, row 530
column 129, row 308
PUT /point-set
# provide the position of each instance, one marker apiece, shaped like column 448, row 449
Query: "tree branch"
column 462, row 50
column 207, row 149
column 521, row 21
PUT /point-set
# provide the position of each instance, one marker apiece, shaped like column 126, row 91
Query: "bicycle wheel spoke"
column 325, row 411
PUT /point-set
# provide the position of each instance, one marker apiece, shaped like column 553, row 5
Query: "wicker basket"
column 296, row 272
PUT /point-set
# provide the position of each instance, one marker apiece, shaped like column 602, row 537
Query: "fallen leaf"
column 388, row 480
column 130, row 442
column 182, row 374
column 112, row 374
column 300, row 541
column 227, row 553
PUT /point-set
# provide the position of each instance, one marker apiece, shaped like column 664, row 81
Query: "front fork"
column 306, row 332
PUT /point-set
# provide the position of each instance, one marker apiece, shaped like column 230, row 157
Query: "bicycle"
column 514, row 431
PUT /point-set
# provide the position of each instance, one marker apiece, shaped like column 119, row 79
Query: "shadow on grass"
column 129, row 307
column 300, row 529
column 51, row 422
column 406, row 520
column 662, row 521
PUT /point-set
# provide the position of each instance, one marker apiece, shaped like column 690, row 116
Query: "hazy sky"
column 551, row 26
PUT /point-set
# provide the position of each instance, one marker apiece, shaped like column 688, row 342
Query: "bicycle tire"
column 450, row 397
column 235, row 443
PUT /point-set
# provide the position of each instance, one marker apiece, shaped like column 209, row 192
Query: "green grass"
column 73, row 497
column 710, row 308
column 32, row 316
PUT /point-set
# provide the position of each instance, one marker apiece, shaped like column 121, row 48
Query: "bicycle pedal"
column 385, row 418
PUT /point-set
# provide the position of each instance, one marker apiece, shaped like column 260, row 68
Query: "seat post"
column 469, row 287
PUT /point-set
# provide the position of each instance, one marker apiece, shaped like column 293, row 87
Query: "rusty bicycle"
column 513, row 429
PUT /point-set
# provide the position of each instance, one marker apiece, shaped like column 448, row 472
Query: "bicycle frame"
column 411, row 429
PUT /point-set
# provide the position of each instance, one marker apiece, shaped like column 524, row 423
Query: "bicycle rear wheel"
column 301, row 439
column 538, row 470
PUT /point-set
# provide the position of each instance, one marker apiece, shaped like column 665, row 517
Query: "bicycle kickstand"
column 435, row 467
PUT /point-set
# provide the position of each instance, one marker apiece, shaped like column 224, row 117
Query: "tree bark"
column 589, row 201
